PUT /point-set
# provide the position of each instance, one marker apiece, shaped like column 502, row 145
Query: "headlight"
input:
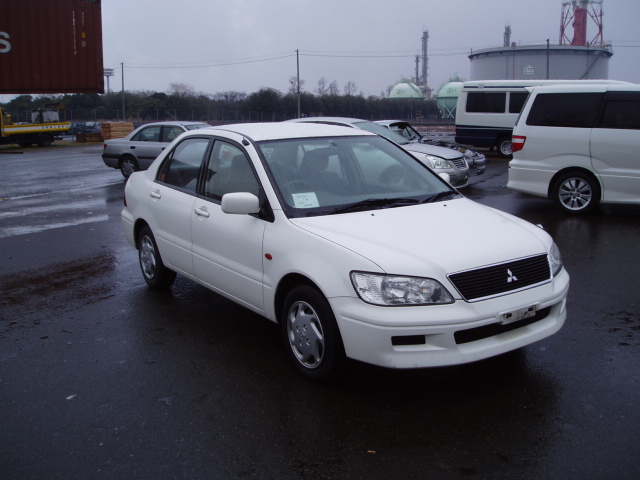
column 556, row 259
column 437, row 162
column 396, row 290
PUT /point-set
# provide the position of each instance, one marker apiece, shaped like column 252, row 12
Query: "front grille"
column 503, row 278
column 459, row 162
column 486, row 331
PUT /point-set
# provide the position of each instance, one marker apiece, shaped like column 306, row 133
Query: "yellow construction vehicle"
column 45, row 125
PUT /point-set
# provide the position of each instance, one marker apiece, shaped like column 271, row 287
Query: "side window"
column 170, row 132
column 622, row 111
column 182, row 165
column 481, row 102
column 577, row 110
column 149, row 134
column 229, row 170
column 516, row 101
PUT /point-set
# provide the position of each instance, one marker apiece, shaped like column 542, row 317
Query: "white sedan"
column 347, row 241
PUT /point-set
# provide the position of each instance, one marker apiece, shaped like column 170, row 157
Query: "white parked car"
column 440, row 159
column 350, row 243
column 404, row 128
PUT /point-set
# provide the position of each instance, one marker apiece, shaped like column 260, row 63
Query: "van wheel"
column 311, row 334
column 576, row 192
column 154, row 272
column 505, row 149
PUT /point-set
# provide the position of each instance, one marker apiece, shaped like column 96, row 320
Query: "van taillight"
column 517, row 142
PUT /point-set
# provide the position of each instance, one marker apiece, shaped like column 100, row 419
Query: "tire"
column 576, row 192
column 153, row 270
column 128, row 165
column 505, row 148
column 311, row 334
column 45, row 140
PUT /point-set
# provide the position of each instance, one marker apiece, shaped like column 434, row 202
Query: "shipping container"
column 51, row 46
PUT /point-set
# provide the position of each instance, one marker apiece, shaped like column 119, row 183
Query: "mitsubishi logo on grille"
column 511, row 277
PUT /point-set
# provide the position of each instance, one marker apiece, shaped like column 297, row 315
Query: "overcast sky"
column 244, row 45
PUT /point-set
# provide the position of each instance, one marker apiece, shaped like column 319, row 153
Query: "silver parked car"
column 440, row 159
column 473, row 158
column 140, row 148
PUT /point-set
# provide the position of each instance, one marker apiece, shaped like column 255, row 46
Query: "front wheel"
column 154, row 272
column 505, row 147
column 576, row 192
column 311, row 334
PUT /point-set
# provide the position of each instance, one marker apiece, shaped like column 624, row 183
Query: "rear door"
column 615, row 147
column 172, row 199
column 146, row 145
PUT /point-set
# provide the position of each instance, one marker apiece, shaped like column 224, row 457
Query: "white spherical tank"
column 447, row 99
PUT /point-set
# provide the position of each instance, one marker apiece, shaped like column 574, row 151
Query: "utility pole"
column 124, row 116
column 298, row 74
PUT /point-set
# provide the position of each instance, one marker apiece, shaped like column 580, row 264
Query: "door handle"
column 132, row 147
column 155, row 194
column 202, row 212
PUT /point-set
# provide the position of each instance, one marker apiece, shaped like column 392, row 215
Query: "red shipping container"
column 51, row 46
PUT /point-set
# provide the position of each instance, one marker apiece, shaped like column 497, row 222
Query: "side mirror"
column 240, row 203
column 445, row 176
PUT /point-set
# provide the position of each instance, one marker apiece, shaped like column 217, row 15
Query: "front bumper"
column 463, row 332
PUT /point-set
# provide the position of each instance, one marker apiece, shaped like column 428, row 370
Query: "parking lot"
column 102, row 378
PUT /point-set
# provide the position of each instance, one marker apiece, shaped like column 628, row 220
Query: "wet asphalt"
column 102, row 378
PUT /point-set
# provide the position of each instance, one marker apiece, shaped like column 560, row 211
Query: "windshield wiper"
column 376, row 203
column 440, row 196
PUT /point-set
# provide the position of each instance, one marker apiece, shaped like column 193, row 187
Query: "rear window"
column 481, row 102
column 516, row 101
column 621, row 111
column 577, row 110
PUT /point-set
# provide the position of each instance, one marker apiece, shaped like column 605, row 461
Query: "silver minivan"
column 579, row 145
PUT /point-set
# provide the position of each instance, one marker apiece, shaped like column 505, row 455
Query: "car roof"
column 342, row 120
column 174, row 122
column 591, row 87
column 283, row 130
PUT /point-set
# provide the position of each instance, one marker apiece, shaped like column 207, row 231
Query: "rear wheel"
column 128, row 165
column 505, row 148
column 311, row 334
column 45, row 140
column 153, row 270
column 576, row 192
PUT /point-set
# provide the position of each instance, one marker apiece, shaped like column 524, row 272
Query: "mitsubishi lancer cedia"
column 350, row 243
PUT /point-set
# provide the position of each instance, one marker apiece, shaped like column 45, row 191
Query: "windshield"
column 382, row 131
column 325, row 176
column 195, row 126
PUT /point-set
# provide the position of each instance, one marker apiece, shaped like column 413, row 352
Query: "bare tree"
column 293, row 85
column 350, row 88
column 322, row 87
column 333, row 88
column 182, row 90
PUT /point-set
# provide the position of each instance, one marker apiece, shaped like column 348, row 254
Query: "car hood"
column 442, row 152
column 433, row 239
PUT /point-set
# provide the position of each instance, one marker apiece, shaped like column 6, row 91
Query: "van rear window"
column 621, row 110
column 480, row 102
column 577, row 110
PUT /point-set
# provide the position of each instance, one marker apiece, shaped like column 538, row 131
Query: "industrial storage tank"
column 447, row 99
column 541, row 62
column 406, row 90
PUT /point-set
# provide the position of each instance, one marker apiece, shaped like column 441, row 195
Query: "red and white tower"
column 577, row 14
